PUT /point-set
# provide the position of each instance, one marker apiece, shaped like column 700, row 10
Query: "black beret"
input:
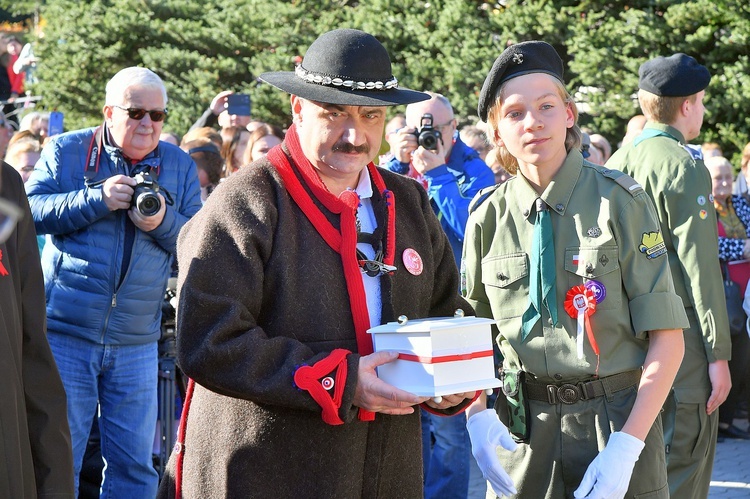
column 519, row 59
column 678, row 75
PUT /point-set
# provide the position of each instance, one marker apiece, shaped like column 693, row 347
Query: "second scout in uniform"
column 568, row 257
column 671, row 91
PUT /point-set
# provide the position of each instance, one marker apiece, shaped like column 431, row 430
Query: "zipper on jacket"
column 113, row 287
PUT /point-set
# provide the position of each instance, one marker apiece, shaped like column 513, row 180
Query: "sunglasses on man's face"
column 135, row 113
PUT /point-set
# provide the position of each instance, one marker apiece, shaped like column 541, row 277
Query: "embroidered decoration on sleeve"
column 652, row 245
column 325, row 382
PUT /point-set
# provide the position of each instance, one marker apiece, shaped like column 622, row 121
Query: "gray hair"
column 132, row 77
column 442, row 99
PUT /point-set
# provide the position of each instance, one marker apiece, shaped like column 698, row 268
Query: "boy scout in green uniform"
column 671, row 96
column 588, row 321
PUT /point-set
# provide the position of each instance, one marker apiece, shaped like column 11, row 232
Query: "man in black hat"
column 281, row 275
column 671, row 92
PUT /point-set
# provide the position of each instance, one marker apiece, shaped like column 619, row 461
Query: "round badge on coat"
column 600, row 292
column 703, row 214
column 327, row 382
column 412, row 261
column 701, row 200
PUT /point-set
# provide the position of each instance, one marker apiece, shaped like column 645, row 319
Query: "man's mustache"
column 350, row 148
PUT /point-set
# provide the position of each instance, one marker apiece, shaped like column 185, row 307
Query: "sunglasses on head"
column 138, row 114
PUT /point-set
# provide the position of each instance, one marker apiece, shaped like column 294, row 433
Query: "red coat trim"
column 179, row 446
column 315, row 378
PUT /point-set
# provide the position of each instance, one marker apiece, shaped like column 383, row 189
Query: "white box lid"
column 430, row 324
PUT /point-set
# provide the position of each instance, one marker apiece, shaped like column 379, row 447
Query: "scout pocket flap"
column 600, row 264
column 506, row 283
column 504, row 271
column 591, row 263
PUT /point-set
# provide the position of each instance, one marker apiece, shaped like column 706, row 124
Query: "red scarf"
column 344, row 242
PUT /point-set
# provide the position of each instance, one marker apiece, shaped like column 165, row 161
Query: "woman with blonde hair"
column 262, row 140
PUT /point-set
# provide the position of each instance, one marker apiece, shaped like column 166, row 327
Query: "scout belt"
column 570, row 393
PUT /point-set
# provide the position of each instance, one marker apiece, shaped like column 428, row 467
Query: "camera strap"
column 93, row 157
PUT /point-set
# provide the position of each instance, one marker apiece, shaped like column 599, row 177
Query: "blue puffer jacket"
column 451, row 188
column 87, row 294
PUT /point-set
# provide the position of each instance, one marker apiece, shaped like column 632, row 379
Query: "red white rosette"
column 580, row 304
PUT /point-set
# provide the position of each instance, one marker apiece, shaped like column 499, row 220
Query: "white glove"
column 486, row 432
column 608, row 475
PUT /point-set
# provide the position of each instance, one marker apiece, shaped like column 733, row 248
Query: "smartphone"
column 55, row 125
column 238, row 104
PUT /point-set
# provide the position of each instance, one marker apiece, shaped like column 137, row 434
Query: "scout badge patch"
column 652, row 244
column 600, row 292
column 580, row 304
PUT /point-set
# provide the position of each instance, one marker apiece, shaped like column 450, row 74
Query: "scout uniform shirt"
column 680, row 187
column 606, row 234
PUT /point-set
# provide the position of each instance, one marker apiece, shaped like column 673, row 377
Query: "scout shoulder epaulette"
column 623, row 179
column 481, row 196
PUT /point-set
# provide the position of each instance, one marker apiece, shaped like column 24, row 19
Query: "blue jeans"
column 122, row 381
column 446, row 450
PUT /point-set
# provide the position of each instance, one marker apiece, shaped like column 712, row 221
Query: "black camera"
column 145, row 199
column 426, row 134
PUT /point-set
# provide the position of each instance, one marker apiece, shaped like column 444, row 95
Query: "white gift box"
column 438, row 356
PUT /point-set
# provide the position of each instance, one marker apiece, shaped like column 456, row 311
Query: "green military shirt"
column 605, row 229
column 680, row 187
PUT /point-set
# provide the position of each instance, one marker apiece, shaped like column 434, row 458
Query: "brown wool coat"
column 261, row 293
column 36, row 459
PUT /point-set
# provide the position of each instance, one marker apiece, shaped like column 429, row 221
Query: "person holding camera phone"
column 227, row 109
column 429, row 149
column 113, row 199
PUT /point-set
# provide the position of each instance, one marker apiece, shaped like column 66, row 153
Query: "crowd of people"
column 612, row 340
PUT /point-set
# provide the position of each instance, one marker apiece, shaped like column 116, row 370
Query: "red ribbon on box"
column 444, row 358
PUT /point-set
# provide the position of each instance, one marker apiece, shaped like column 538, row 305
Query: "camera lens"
column 148, row 203
column 428, row 141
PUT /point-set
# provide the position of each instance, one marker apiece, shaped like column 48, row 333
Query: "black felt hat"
column 678, row 75
column 519, row 59
column 346, row 67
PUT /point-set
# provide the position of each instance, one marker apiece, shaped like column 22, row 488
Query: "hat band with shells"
column 311, row 77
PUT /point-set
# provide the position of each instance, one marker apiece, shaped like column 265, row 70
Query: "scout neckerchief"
column 649, row 133
column 343, row 241
column 541, row 271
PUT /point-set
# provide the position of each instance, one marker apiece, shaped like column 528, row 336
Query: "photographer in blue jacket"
column 429, row 150
column 112, row 199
